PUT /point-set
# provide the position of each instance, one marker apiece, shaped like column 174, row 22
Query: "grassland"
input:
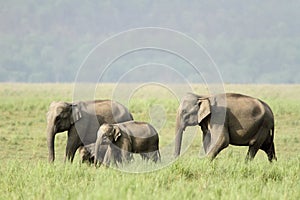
column 26, row 174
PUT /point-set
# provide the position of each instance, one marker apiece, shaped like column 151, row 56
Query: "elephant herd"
column 104, row 131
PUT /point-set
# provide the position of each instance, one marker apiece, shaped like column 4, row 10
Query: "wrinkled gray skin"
column 87, row 152
column 81, row 120
column 127, row 138
column 248, row 122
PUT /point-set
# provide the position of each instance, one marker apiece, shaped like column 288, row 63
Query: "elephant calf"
column 126, row 138
column 87, row 152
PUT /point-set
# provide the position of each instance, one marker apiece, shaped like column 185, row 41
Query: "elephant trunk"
column 178, row 139
column 50, row 141
column 97, row 151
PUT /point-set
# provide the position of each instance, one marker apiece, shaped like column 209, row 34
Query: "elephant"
column 87, row 152
column 82, row 120
column 227, row 118
column 126, row 138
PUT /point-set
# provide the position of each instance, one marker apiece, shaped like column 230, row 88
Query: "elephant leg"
column 152, row 156
column 116, row 155
column 125, row 151
column 268, row 146
column 253, row 149
column 107, row 157
column 73, row 143
column 125, row 155
column 219, row 141
column 155, row 156
column 206, row 141
column 121, row 157
column 269, row 149
column 144, row 156
column 206, row 137
column 148, row 156
column 256, row 143
column 271, row 153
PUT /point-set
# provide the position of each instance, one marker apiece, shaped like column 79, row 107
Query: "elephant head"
column 87, row 153
column 192, row 110
column 109, row 131
column 106, row 135
column 60, row 117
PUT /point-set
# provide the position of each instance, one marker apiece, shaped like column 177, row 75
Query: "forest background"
column 251, row 42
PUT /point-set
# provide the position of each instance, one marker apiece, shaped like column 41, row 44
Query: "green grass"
column 26, row 174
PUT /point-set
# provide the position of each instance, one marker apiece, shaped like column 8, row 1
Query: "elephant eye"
column 64, row 115
column 57, row 118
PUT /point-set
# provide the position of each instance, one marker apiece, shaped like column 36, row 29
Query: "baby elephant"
column 126, row 138
column 87, row 152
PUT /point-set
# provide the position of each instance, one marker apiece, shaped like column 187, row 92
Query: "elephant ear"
column 204, row 109
column 76, row 113
column 117, row 133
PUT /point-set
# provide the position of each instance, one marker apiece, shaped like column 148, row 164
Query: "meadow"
column 26, row 174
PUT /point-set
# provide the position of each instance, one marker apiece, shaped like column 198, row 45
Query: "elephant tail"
column 272, row 134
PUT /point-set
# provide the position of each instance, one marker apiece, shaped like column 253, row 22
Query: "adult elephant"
column 227, row 119
column 81, row 120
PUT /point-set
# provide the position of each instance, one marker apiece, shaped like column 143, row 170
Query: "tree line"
column 251, row 42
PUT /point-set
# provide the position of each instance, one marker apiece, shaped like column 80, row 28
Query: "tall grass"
column 187, row 178
column 25, row 173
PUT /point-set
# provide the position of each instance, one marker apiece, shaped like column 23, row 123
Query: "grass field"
column 26, row 174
